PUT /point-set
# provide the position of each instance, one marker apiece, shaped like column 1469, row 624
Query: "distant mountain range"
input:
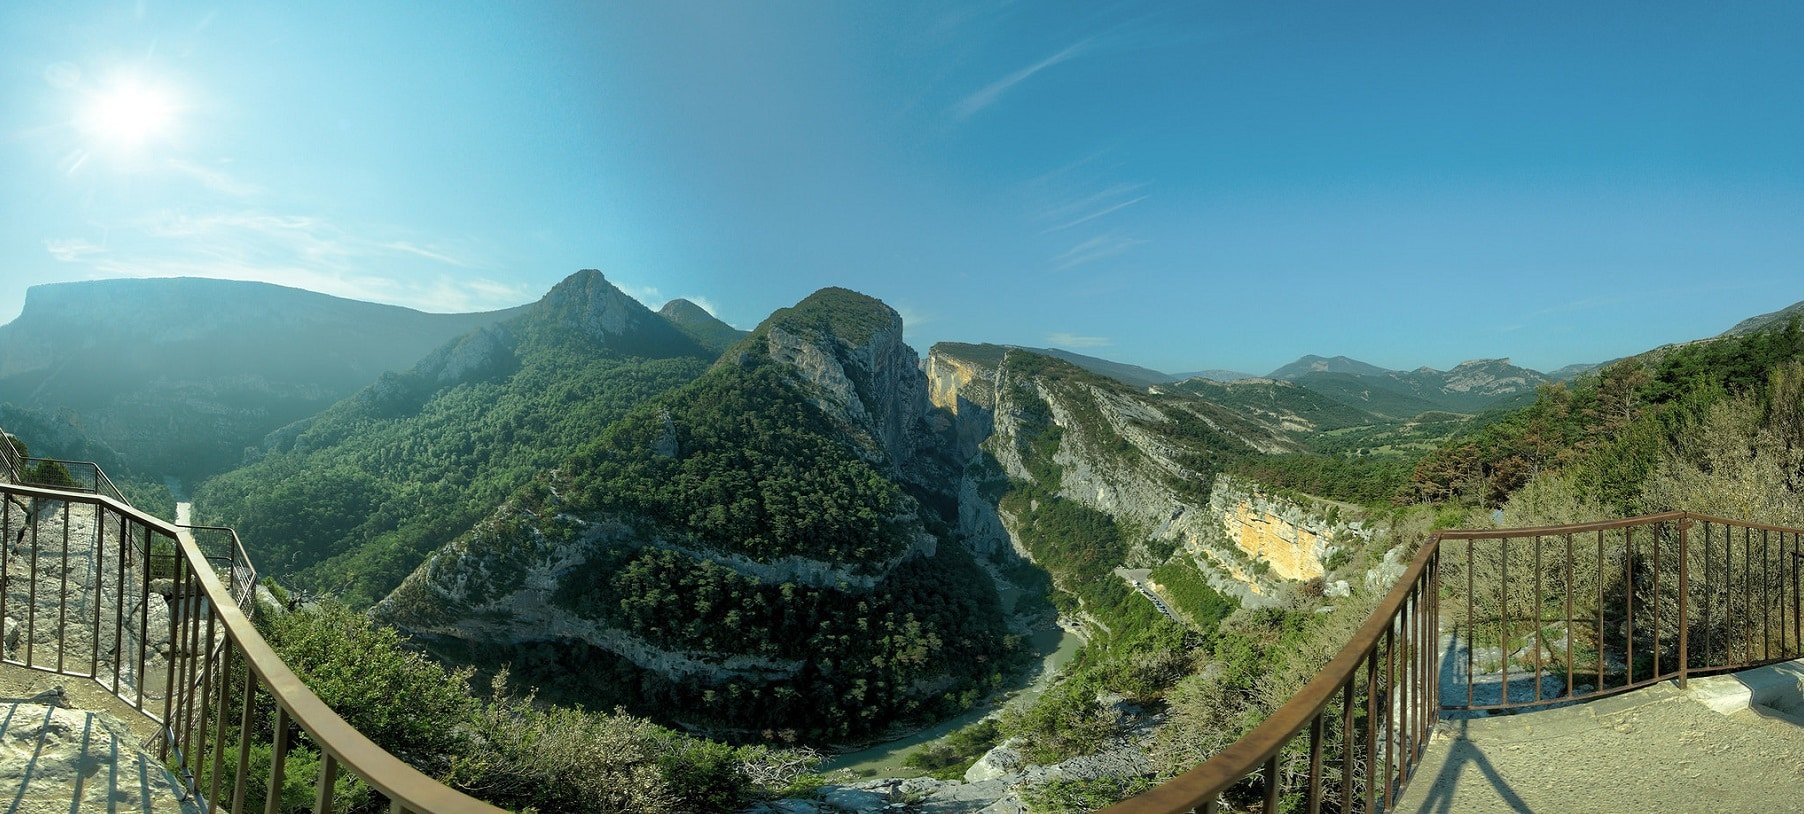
column 1474, row 386
column 178, row 376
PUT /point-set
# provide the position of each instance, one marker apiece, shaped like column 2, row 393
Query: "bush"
column 403, row 701
column 558, row 759
column 1065, row 722
column 1073, row 796
column 49, row 473
column 949, row 757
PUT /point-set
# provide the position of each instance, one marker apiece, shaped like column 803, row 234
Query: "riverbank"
column 1057, row 647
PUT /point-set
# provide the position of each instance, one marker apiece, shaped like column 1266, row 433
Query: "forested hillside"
column 1609, row 439
column 349, row 501
column 740, row 554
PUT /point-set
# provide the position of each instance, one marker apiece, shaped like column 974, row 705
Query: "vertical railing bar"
column 206, row 692
column 1628, row 572
column 6, row 548
column 1314, row 791
column 1797, row 606
column 119, row 605
column 1503, row 614
column 62, row 599
column 1471, row 626
column 1600, row 610
column 1371, row 727
column 1766, row 598
column 31, row 599
column 1571, row 623
column 1271, row 785
column 1539, row 621
column 143, row 637
column 1784, row 642
column 1709, row 595
column 220, row 722
column 328, row 774
column 98, row 564
column 174, row 646
column 1347, row 749
column 1413, row 667
column 246, row 718
column 1747, row 594
column 278, row 763
column 1684, row 601
column 1434, row 639
column 196, row 656
column 1390, row 707
column 1656, row 532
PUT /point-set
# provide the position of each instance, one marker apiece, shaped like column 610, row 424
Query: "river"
column 1056, row 647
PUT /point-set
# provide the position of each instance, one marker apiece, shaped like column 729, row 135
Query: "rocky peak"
column 588, row 303
column 846, row 348
column 1491, row 376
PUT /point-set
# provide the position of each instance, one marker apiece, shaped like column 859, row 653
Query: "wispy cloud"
column 913, row 317
column 214, row 179
column 1107, row 210
column 1109, row 196
column 1071, row 340
column 989, row 94
column 71, row 249
column 441, row 256
column 1097, row 248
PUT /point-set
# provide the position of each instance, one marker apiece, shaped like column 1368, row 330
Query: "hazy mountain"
column 1285, row 406
column 352, row 499
column 1321, row 364
column 1573, row 371
column 1775, row 319
column 700, row 325
column 1213, row 375
column 178, row 375
column 1472, row 386
column 1119, row 371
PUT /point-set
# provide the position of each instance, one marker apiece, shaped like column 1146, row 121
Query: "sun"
column 128, row 113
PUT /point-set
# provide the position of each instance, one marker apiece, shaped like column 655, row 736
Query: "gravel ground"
column 1657, row 749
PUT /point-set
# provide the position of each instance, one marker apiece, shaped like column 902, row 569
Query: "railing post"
column 1684, row 599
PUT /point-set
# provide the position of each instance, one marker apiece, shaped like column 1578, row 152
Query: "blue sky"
column 1183, row 186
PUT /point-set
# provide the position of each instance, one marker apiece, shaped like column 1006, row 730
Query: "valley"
column 808, row 539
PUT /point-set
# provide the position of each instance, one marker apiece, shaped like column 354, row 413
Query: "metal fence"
column 1507, row 620
column 156, row 616
column 85, row 476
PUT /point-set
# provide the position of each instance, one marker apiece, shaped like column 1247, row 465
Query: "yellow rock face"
column 1292, row 551
column 946, row 377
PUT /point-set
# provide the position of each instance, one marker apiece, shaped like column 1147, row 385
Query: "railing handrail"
column 1199, row 787
column 388, row 774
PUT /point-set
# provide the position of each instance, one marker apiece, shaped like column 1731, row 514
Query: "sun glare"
column 128, row 114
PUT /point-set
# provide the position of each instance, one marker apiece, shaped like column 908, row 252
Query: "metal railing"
column 85, row 476
column 133, row 603
column 1574, row 612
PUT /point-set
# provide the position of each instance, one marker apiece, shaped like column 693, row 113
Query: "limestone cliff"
column 1146, row 459
column 1294, row 538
